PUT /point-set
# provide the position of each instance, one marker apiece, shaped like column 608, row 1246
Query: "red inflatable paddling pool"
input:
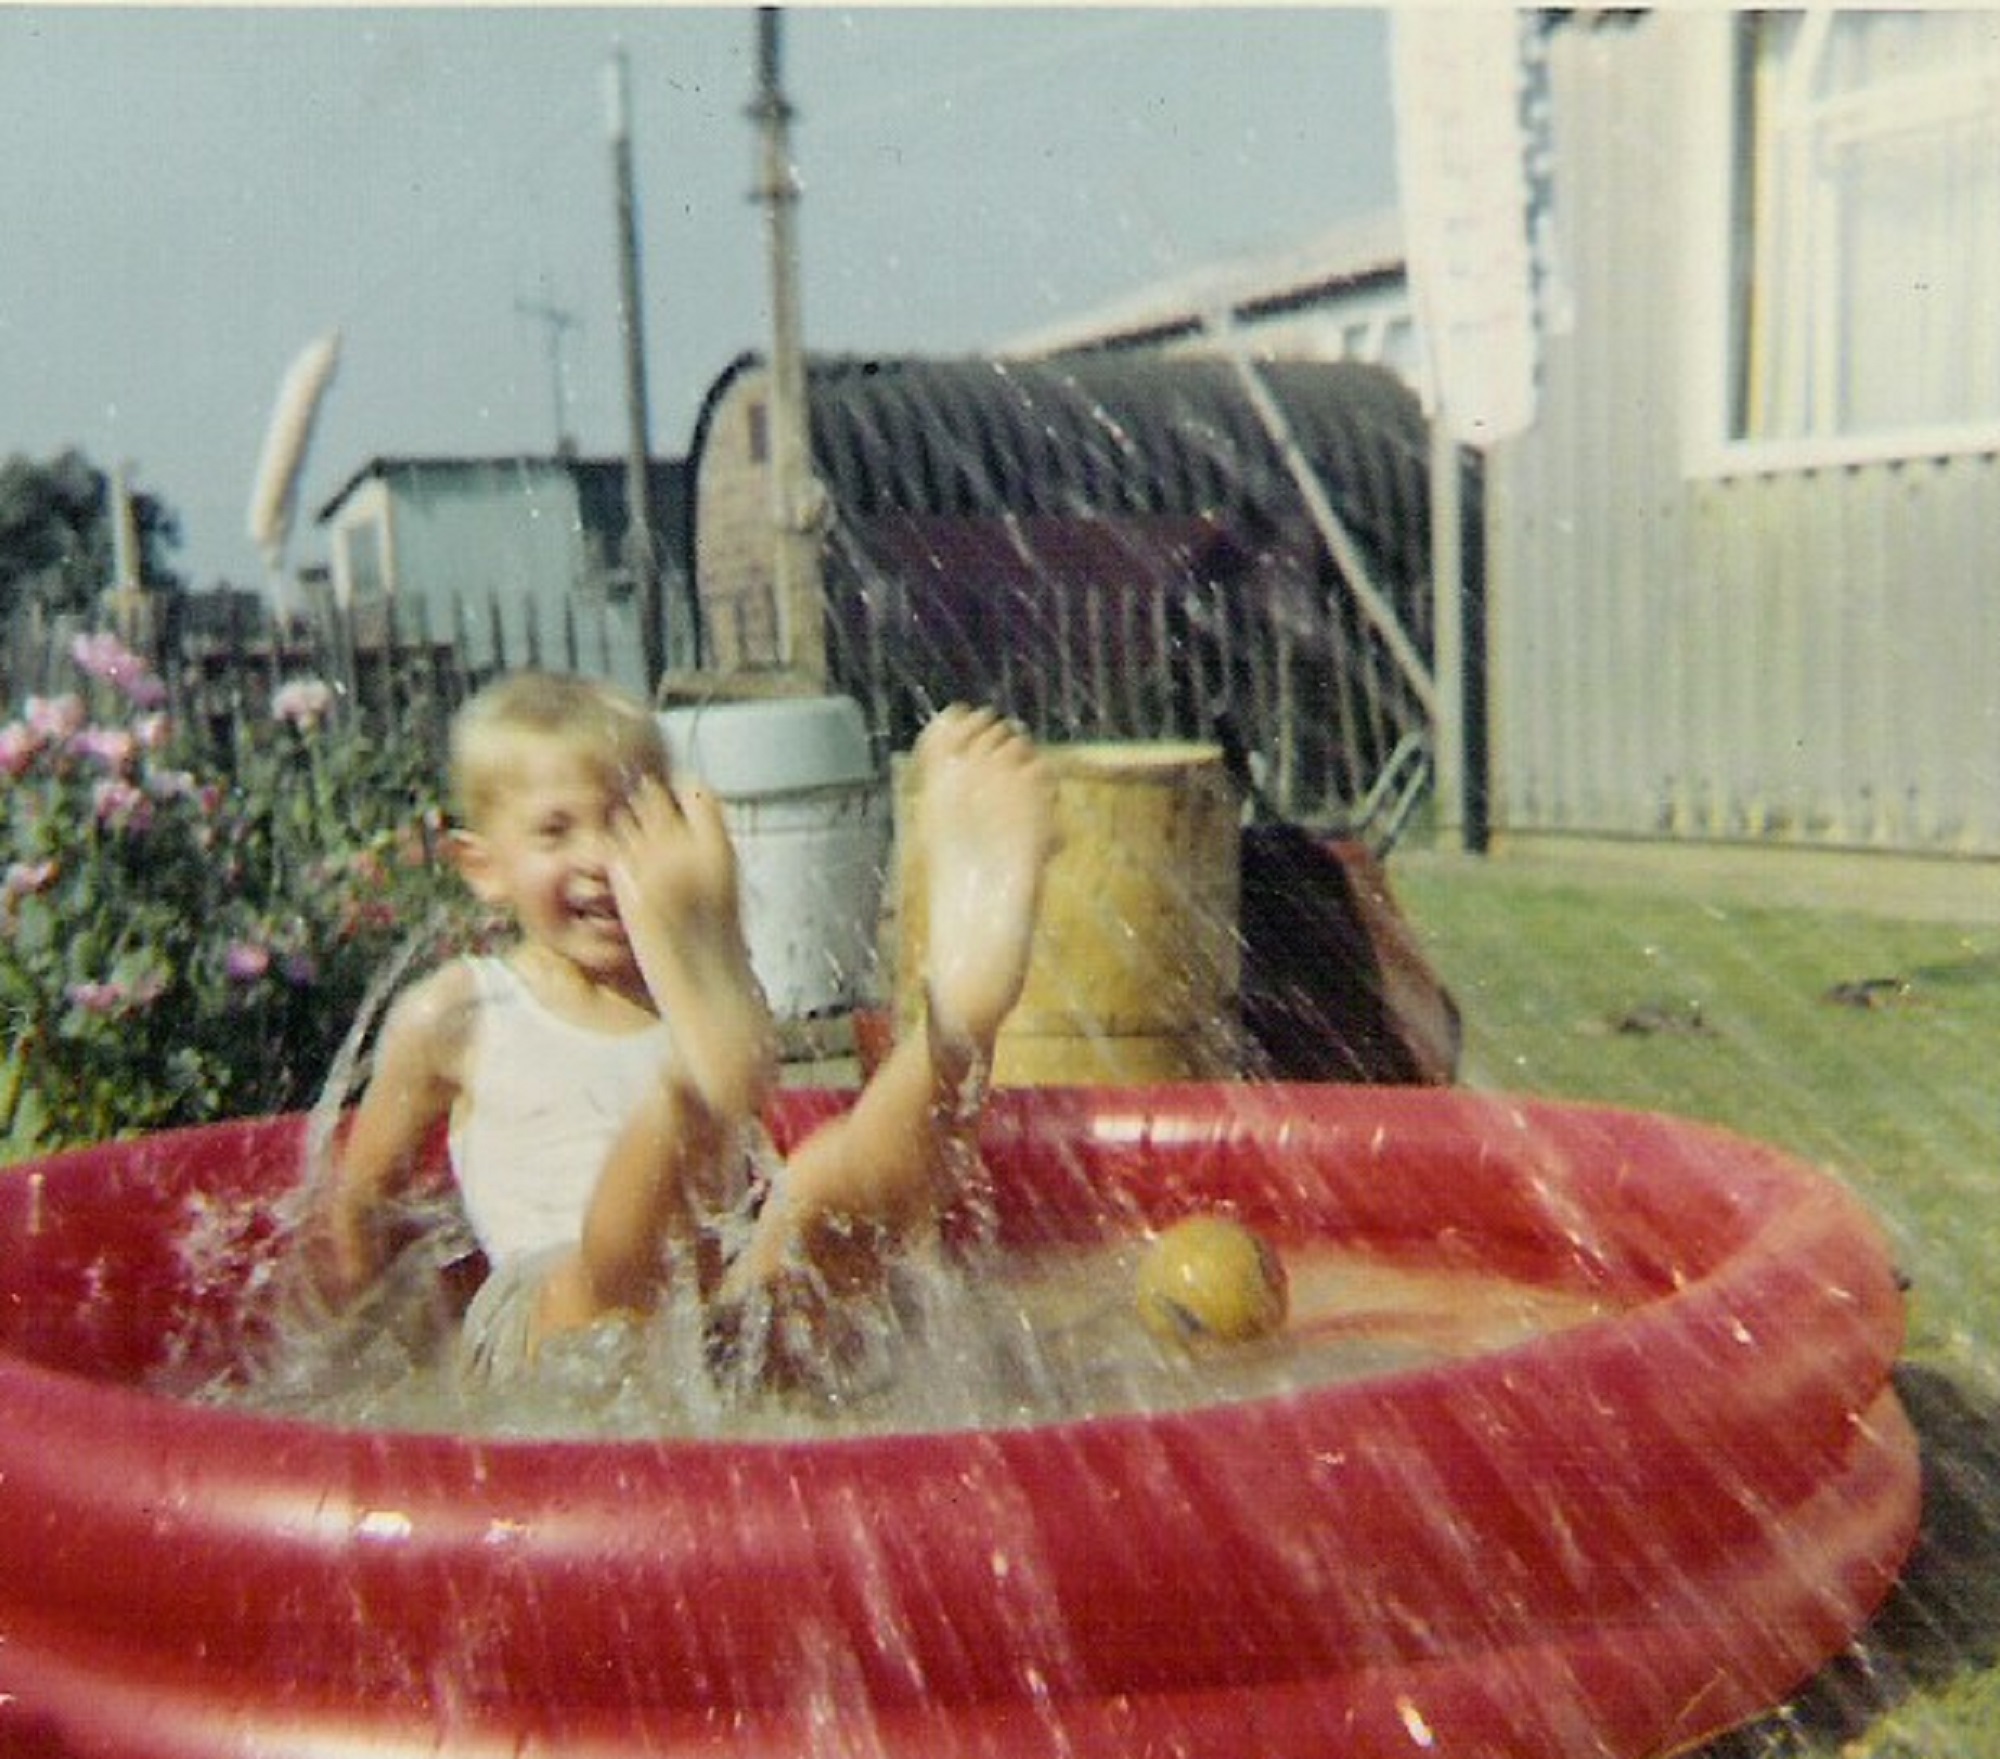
column 1615, row 1539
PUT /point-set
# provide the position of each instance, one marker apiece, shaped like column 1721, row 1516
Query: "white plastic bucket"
column 809, row 814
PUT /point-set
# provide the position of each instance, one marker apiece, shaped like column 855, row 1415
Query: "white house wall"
column 1681, row 644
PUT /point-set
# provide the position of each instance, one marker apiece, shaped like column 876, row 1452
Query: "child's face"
column 543, row 853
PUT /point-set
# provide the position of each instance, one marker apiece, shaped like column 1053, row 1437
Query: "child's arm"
column 671, row 1146
column 416, row 1078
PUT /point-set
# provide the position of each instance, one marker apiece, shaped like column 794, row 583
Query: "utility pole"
column 559, row 321
column 798, row 502
column 642, row 557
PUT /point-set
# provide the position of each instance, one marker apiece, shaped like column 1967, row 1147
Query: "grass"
column 1864, row 1044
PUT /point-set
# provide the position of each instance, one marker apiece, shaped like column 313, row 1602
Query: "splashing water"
column 978, row 1340
column 974, row 1338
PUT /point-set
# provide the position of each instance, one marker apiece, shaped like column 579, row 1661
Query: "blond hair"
column 606, row 726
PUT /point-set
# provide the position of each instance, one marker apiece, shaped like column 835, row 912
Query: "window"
column 1868, row 226
column 760, row 433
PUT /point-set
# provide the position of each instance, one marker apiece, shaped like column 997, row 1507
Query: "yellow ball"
column 1210, row 1278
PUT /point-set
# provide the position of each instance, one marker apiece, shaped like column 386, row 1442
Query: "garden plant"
column 184, row 939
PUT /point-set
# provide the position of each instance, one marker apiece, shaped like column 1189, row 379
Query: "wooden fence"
column 399, row 674
column 1311, row 716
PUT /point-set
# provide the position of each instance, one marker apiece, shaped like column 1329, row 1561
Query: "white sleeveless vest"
column 543, row 1102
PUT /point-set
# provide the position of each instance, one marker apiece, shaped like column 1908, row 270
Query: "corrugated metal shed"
column 1131, row 540
column 1124, row 435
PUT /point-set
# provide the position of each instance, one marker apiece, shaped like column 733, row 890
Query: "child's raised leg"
column 985, row 809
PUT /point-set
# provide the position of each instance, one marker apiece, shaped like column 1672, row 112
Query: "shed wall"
column 734, row 567
column 495, row 556
column 1684, row 648
column 457, row 534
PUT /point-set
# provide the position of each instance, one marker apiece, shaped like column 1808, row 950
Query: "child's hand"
column 674, row 867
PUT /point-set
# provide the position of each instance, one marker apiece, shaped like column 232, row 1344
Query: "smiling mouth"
column 599, row 912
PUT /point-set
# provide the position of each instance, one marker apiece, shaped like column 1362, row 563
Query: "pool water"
column 1051, row 1337
column 1351, row 1315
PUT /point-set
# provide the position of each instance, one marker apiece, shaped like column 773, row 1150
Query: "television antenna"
column 559, row 320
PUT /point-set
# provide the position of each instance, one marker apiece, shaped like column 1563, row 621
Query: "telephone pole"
column 642, row 557
column 798, row 502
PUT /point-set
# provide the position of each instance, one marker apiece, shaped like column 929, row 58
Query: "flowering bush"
column 175, row 946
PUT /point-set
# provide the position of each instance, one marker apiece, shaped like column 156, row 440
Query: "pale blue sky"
column 190, row 196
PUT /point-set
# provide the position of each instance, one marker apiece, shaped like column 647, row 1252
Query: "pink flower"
column 19, row 744
column 102, row 655
column 245, row 961
column 101, row 999
column 110, row 748
column 109, row 999
column 304, row 702
column 360, row 916
column 54, row 718
column 26, row 877
column 120, row 806
column 153, row 731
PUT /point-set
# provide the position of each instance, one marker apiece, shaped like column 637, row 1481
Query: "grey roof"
column 600, row 482
column 1319, row 271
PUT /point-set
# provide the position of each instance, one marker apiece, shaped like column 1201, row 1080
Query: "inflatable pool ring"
column 1615, row 1539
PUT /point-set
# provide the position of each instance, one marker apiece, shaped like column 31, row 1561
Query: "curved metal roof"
column 1115, row 435
column 1119, row 435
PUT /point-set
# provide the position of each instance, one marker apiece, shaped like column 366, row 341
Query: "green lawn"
column 1866, row 1045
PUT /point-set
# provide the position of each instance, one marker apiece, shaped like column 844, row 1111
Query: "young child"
column 602, row 1081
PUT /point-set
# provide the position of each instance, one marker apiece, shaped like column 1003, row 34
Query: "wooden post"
column 798, row 502
column 642, row 555
column 1447, row 635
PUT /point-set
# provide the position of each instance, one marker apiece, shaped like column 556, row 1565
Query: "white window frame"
column 1914, row 102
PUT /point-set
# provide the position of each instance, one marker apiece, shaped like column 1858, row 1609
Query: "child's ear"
column 473, row 858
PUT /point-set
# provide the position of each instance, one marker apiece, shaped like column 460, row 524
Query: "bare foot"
column 986, row 814
column 674, row 877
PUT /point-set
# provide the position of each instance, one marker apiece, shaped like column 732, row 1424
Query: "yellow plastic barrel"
column 1136, row 961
